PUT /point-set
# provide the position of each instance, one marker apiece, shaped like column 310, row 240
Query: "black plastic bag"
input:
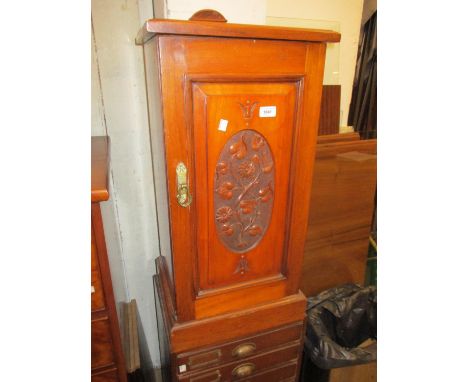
column 339, row 320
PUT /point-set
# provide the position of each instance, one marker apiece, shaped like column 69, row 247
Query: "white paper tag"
column 222, row 125
column 267, row 112
column 182, row 369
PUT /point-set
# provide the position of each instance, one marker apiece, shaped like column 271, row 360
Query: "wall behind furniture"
column 347, row 13
column 119, row 110
column 239, row 11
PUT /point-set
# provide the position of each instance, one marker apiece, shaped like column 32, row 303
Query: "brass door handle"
column 244, row 350
column 183, row 193
column 243, row 370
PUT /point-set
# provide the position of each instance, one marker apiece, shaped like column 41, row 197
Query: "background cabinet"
column 107, row 360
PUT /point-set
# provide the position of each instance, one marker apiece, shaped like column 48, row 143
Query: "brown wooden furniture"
column 233, row 116
column 342, row 204
column 329, row 122
column 107, row 361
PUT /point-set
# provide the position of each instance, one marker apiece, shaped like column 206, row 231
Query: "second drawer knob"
column 243, row 370
column 244, row 350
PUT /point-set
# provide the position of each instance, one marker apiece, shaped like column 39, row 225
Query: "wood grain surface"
column 213, row 292
column 332, row 138
column 216, row 29
column 359, row 373
column 330, row 110
column 186, row 336
column 198, row 88
column 107, row 360
column 342, row 203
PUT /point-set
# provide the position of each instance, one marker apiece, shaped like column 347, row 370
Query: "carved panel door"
column 243, row 138
column 239, row 123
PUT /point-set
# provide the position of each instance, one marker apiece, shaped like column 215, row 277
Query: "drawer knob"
column 243, row 370
column 244, row 350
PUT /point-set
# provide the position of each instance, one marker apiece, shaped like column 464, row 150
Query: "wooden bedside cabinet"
column 107, row 360
column 234, row 113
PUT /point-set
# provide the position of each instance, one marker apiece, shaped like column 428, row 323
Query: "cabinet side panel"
column 304, row 161
column 158, row 149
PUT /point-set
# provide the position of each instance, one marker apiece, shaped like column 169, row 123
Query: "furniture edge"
column 154, row 27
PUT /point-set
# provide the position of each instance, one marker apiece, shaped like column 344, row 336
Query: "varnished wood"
column 298, row 64
column 211, row 253
column 101, row 344
column 330, row 110
column 225, row 353
column 332, row 138
column 260, row 364
column 244, row 190
column 97, row 291
column 219, row 291
column 208, row 15
column 99, row 169
column 215, row 29
column 213, row 340
column 111, row 315
column 224, row 327
column 108, row 363
column 105, row 376
column 342, row 203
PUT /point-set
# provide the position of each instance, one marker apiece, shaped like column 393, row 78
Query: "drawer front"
column 284, row 373
column 248, row 368
column 238, row 350
column 97, row 294
column 107, row 376
column 101, row 344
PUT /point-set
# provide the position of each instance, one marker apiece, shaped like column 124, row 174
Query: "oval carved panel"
column 244, row 191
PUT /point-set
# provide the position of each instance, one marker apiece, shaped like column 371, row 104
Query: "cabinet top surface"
column 220, row 29
column 99, row 169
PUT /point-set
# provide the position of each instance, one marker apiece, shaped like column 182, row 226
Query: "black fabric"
column 363, row 107
column 340, row 319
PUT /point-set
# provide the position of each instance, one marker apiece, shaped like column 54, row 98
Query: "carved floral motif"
column 246, row 169
column 247, row 111
column 244, row 193
column 223, row 214
column 224, row 190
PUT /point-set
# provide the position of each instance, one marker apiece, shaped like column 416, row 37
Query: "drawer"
column 106, row 376
column 97, row 294
column 101, row 344
column 248, row 368
column 284, row 373
column 238, row 350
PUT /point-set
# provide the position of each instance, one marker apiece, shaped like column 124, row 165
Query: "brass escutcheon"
column 183, row 193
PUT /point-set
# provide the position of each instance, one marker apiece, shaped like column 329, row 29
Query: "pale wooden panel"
column 340, row 215
column 360, row 373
